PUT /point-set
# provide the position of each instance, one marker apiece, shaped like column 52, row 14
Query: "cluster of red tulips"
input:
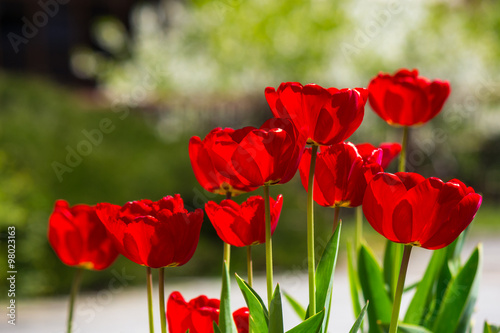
column 405, row 208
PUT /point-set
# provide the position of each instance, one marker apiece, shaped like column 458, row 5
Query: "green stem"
column 336, row 218
column 399, row 289
column 149, row 285
column 161, row 291
column 227, row 254
column 398, row 247
column 311, row 262
column 269, row 247
column 227, row 247
column 359, row 228
column 249, row 266
column 74, row 291
column 402, row 155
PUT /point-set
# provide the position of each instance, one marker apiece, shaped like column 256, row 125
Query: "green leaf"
column 490, row 328
column 216, row 328
column 444, row 279
column 372, row 284
column 299, row 310
column 411, row 286
column 353, row 281
column 359, row 320
column 407, row 328
column 311, row 325
column 393, row 255
column 276, row 313
column 420, row 302
column 259, row 317
column 458, row 294
column 454, row 250
column 325, row 273
column 226, row 322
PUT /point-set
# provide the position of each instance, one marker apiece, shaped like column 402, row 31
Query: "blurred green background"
column 185, row 67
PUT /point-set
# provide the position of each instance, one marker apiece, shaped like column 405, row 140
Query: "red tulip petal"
column 382, row 194
column 202, row 165
column 390, row 151
column 410, row 179
column 365, row 150
column 424, row 199
column 241, row 319
column 438, row 93
column 222, row 219
column 459, row 219
column 402, row 221
column 178, row 313
column 290, row 96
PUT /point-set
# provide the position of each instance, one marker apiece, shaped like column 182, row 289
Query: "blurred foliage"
column 190, row 66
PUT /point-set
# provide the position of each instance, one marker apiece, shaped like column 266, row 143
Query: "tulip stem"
column 399, row 289
column 249, row 265
column 359, row 228
column 311, row 262
column 227, row 254
column 398, row 247
column 404, row 144
column 74, row 291
column 149, row 286
column 227, row 247
column 269, row 247
column 336, row 215
column 161, row 291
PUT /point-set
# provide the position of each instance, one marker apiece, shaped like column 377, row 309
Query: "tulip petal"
column 459, row 219
column 402, row 221
column 382, row 194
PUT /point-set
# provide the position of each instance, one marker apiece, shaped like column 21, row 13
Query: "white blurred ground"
column 123, row 310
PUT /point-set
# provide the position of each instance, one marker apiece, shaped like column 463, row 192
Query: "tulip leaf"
column 406, row 328
column 465, row 321
column 226, row 322
column 276, row 313
column 258, row 317
column 420, row 302
column 311, row 325
column 490, row 328
column 325, row 273
column 393, row 255
column 359, row 320
column 454, row 250
column 353, row 281
column 299, row 310
column 459, row 293
column 372, row 283
column 443, row 280
column 216, row 328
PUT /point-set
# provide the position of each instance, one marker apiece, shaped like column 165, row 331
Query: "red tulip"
column 78, row 237
column 243, row 225
column 269, row 155
column 389, row 152
column 407, row 208
column 323, row 116
column 340, row 175
column 153, row 234
column 407, row 99
column 210, row 160
column 198, row 315
column 241, row 320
